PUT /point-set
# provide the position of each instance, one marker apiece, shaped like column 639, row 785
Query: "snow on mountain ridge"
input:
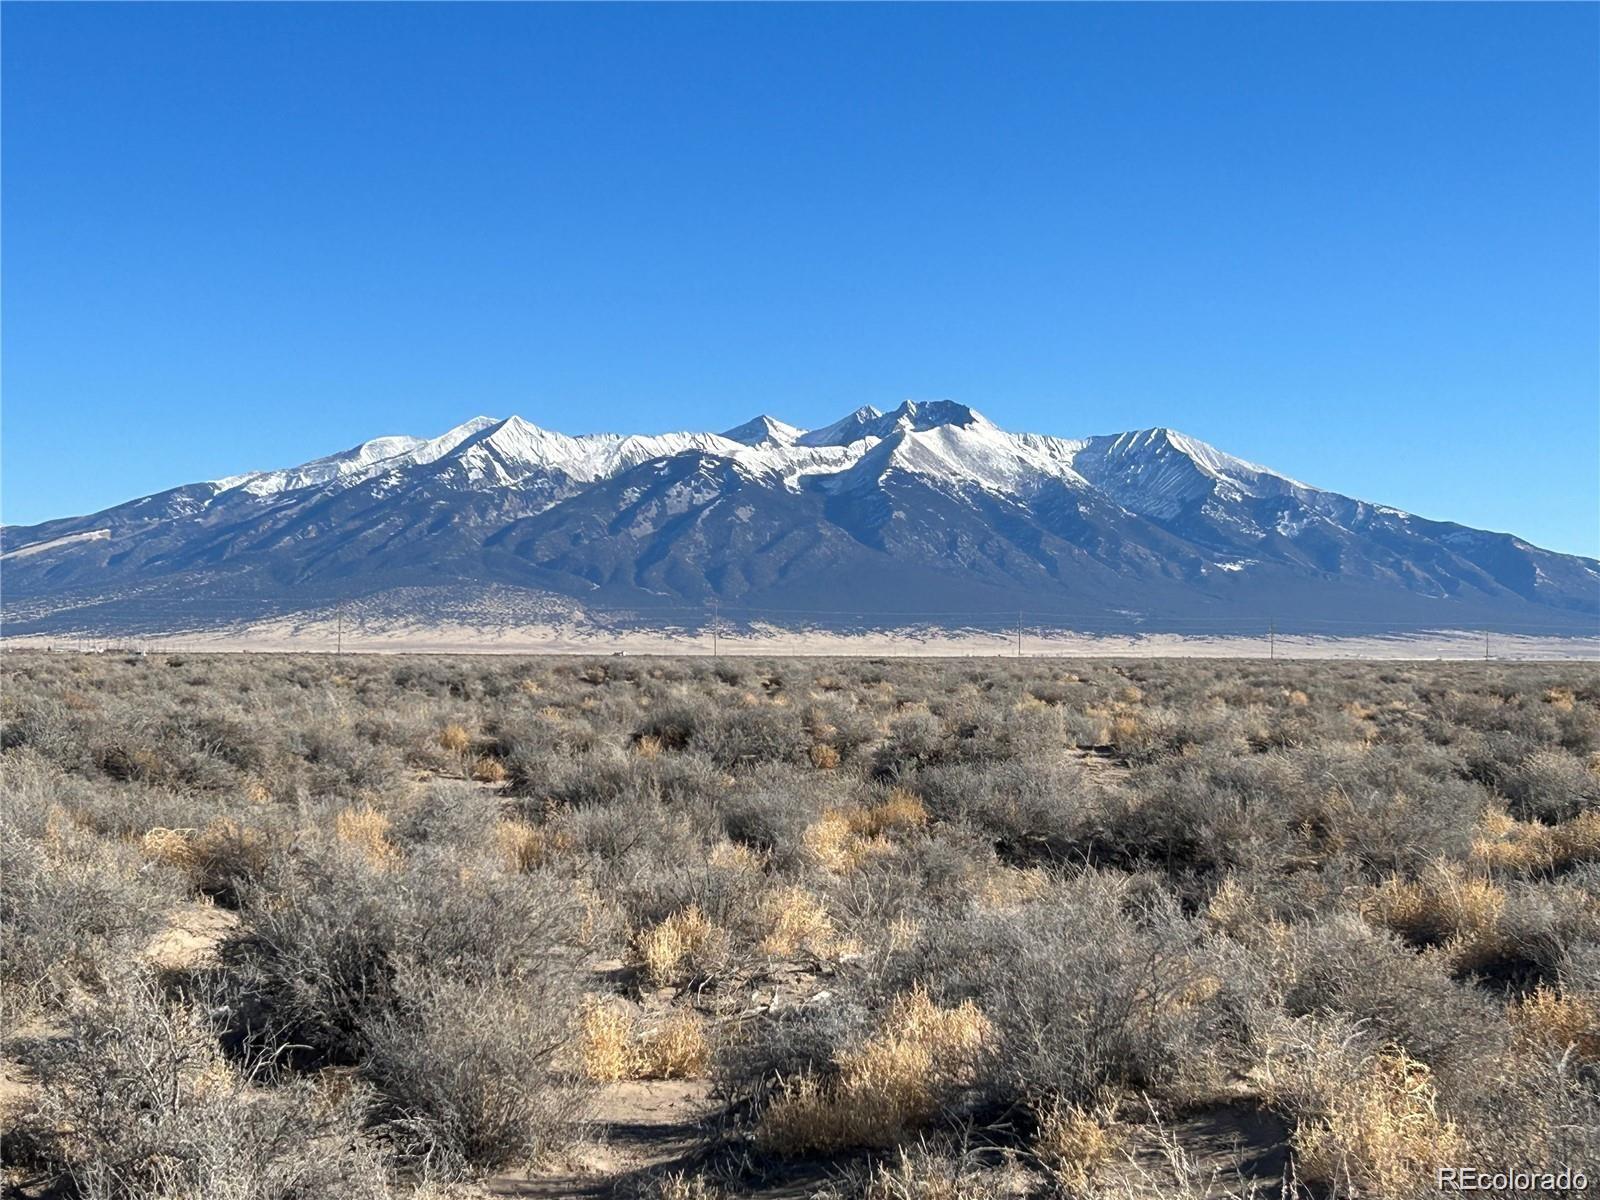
column 1153, row 471
column 764, row 431
column 359, row 462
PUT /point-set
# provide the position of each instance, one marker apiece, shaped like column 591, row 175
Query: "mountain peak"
column 930, row 504
column 912, row 416
column 930, row 414
column 842, row 432
column 764, row 431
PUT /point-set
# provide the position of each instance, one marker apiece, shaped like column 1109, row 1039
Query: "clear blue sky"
column 1355, row 243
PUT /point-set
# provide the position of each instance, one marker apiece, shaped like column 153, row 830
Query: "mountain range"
column 929, row 514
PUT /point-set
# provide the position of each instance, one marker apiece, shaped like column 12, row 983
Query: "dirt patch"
column 191, row 937
column 1100, row 763
column 1212, row 1151
column 641, row 1126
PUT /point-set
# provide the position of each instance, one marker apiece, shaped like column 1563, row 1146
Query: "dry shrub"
column 1298, row 699
column 455, row 738
column 925, row 1172
column 614, row 1044
column 677, row 1185
column 140, row 1101
column 216, row 860
column 1232, row 908
column 1074, row 1143
column 366, row 830
column 525, row 847
column 796, row 921
column 605, row 1041
column 489, row 770
column 1364, row 1122
column 676, row 1048
column 896, row 1081
column 1559, row 1021
column 832, row 845
column 824, row 757
column 169, row 847
column 673, row 949
column 1009, row 887
column 739, row 858
column 1445, row 908
column 1531, row 847
column 467, row 1075
column 842, row 839
column 1560, row 698
column 648, row 746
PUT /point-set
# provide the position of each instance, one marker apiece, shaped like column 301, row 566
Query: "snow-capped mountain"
column 930, row 512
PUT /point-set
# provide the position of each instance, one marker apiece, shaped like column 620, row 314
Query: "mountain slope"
column 929, row 512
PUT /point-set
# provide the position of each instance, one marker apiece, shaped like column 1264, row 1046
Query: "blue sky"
column 1355, row 243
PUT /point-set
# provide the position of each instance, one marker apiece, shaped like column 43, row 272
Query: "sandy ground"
column 323, row 637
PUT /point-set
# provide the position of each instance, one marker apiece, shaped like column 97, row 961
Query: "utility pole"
column 1272, row 639
column 338, row 645
column 715, row 604
column 1485, row 645
column 1019, row 633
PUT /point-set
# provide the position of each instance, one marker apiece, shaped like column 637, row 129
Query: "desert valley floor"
column 286, row 926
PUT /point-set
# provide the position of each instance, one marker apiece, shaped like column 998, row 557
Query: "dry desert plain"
column 291, row 926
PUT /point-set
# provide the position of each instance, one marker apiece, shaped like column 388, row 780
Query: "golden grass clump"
column 1009, row 887
column 1074, row 1144
column 676, row 1048
column 796, row 921
column 1446, row 907
column 169, row 847
column 833, row 846
column 605, row 1041
column 842, row 839
column 894, row 1082
column 738, row 857
column 679, row 1185
column 366, row 830
column 824, row 757
column 455, row 738
column 1562, row 699
column 1559, row 1021
column 1530, row 847
column 648, row 746
column 525, row 847
column 489, row 770
column 1232, row 908
column 1382, row 1132
column 1125, row 727
column 614, row 1044
column 664, row 950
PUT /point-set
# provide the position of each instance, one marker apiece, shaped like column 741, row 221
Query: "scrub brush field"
column 279, row 927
